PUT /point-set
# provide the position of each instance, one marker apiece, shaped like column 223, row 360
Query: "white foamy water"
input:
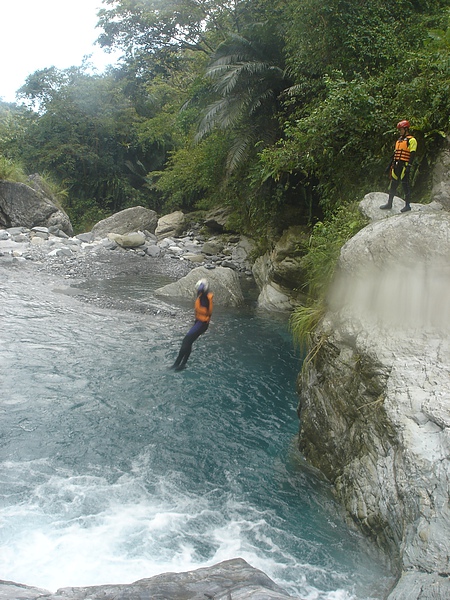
column 114, row 468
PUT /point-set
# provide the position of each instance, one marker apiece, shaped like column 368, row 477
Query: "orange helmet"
column 404, row 124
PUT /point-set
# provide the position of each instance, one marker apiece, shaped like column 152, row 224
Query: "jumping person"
column 400, row 166
column 203, row 311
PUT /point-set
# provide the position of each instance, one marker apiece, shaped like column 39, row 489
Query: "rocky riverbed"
column 65, row 263
column 229, row 579
column 70, row 261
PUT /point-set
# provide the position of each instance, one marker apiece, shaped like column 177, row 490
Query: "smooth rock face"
column 170, row 225
column 224, row 284
column 135, row 239
column 423, row 586
column 126, row 221
column 29, row 206
column 273, row 298
column 230, row 579
column 375, row 394
column 370, row 206
column 279, row 273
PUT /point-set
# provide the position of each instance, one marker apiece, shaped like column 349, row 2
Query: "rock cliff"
column 280, row 273
column 375, row 392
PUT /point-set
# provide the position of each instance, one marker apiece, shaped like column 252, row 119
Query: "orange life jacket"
column 201, row 312
column 404, row 147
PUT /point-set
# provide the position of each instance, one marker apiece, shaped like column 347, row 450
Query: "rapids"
column 114, row 468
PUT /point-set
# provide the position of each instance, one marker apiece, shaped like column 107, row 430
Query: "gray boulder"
column 229, row 579
column 170, row 225
column 217, row 219
column 287, row 258
column 242, row 250
column 280, row 273
column 375, row 399
column 129, row 240
column 424, row 586
column 224, row 283
column 9, row 590
column 370, row 206
column 30, row 206
column 212, row 246
column 136, row 218
column 271, row 296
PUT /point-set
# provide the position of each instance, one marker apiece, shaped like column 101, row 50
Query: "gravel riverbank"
column 69, row 263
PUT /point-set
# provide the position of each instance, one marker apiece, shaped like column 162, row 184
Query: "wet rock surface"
column 375, row 397
column 232, row 579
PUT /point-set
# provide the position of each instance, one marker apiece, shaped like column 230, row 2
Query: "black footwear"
column 386, row 206
column 406, row 208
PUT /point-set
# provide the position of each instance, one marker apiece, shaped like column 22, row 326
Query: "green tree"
column 152, row 33
column 89, row 135
column 248, row 77
column 351, row 88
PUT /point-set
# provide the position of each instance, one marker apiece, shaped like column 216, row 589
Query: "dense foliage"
column 284, row 110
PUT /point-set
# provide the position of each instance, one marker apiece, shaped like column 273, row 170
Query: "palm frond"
column 237, row 153
column 249, row 82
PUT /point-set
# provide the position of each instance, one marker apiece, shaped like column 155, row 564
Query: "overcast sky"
column 36, row 34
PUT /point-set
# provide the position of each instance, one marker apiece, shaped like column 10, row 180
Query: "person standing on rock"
column 399, row 168
column 203, row 310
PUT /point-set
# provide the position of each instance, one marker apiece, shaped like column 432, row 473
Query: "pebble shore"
column 73, row 260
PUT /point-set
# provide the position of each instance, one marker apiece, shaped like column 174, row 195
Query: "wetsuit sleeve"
column 412, row 145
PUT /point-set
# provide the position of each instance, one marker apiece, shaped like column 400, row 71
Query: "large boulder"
column 271, row 296
column 287, row 257
column 135, row 239
column 31, row 205
column 375, row 397
column 217, row 219
column 136, row 218
column 280, row 273
column 224, row 283
column 229, row 579
column 370, row 206
column 170, row 225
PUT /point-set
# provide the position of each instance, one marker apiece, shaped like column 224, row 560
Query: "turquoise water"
column 115, row 468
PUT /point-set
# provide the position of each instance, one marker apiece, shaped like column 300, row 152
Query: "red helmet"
column 404, row 124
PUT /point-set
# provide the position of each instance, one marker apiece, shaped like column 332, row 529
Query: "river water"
column 114, row 468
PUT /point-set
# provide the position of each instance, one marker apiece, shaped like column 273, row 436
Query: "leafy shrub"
column 11, row 171
column 327, row 239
